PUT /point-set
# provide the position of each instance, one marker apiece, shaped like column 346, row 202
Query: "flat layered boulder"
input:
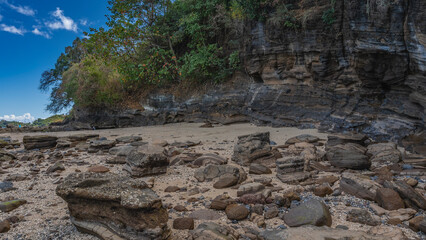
column 110, row 206
column 317, row 233
column 38, row 142
column 253, row 148
column 147, row 161
column 312, row 212
column 225, row 175
column 101, row 145
column 350, row 155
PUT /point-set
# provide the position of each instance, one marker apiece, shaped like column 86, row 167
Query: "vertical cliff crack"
column 342, row 19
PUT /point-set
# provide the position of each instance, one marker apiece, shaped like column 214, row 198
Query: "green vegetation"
column 328, row 15
column 37, row 123
column 158, row 44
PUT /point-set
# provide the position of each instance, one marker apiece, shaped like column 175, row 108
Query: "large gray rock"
column 101, row 145
column 383, row 154
column 317, row 233
column 213, row 172
column 253, row 148
column 350, row 155
column 38, row 142
column 312, row 212
column 361, row 216
column 146, row 161
column 114, row 207
column 213, row 231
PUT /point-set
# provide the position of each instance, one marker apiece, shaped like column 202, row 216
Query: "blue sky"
column 33, row 33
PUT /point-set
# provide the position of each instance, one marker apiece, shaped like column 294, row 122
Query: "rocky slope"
column 364, row 72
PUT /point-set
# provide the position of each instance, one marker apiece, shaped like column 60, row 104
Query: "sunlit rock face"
column 366, row 72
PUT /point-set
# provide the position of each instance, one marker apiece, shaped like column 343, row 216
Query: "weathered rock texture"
column 146, row 162
column 365, row 72
column 114, row 207
column 41, row 141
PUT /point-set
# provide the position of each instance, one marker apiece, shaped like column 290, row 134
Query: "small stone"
column 394, row 221
column 226, row 181
column 323, row 190
column 271, row 212
column 4, row 226
column 11, row 205
column 312, row 212
column 361, row 216
column 172, row 189
column 236, row 212
column 205, row 214
column 389, row 199
column 414, row 223
column 183, row 223
column 256, row 168
column 98, row 169
column 411, row 181
column 180, row 208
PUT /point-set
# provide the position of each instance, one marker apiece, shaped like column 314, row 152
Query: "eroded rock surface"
column 114, row 207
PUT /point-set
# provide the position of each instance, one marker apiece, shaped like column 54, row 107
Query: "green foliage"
column 284, row 17
column 158, row 43
column 328, row 16
column 92, row 83
column 45, row 122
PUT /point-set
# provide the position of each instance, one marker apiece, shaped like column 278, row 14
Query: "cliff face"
column 365, row 72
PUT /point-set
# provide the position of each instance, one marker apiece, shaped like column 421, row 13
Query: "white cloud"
column 26, row 118
column 40, row 33
column 22, row 9
column 84, row 22
column 62, row 22
column 12, row 29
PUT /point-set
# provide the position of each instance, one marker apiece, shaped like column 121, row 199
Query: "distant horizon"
column 32, row 37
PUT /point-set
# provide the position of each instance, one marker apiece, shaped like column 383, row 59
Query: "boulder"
column 410, row 196
column 290, row 164
column 4, row 226
column 147, row 162
column 111, row 206
column 205, row 214
column 209, row 158
column 312, row 212
column 389, row 199
column 337, row 139
column 183, row 223
column 213, row 231
column 236, row 212
column 101, row 145
column 11, row 205
column 361, row 216
column 212, row 172
column 383, row 154
column 323, row 190
column 225, row 181
column 253, row 148
column 317, row 233
column 128, row 139
column 357, row 189
column 302, row 138
column 6, row 156
column 350, row 155
column 6, row 186
column 422, row 226
column 258, row 169
column 250, row 188
column 82, row 137
column 39, row 142
column 414, row 223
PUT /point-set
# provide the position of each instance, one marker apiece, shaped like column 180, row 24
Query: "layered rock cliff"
column 364, row 72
